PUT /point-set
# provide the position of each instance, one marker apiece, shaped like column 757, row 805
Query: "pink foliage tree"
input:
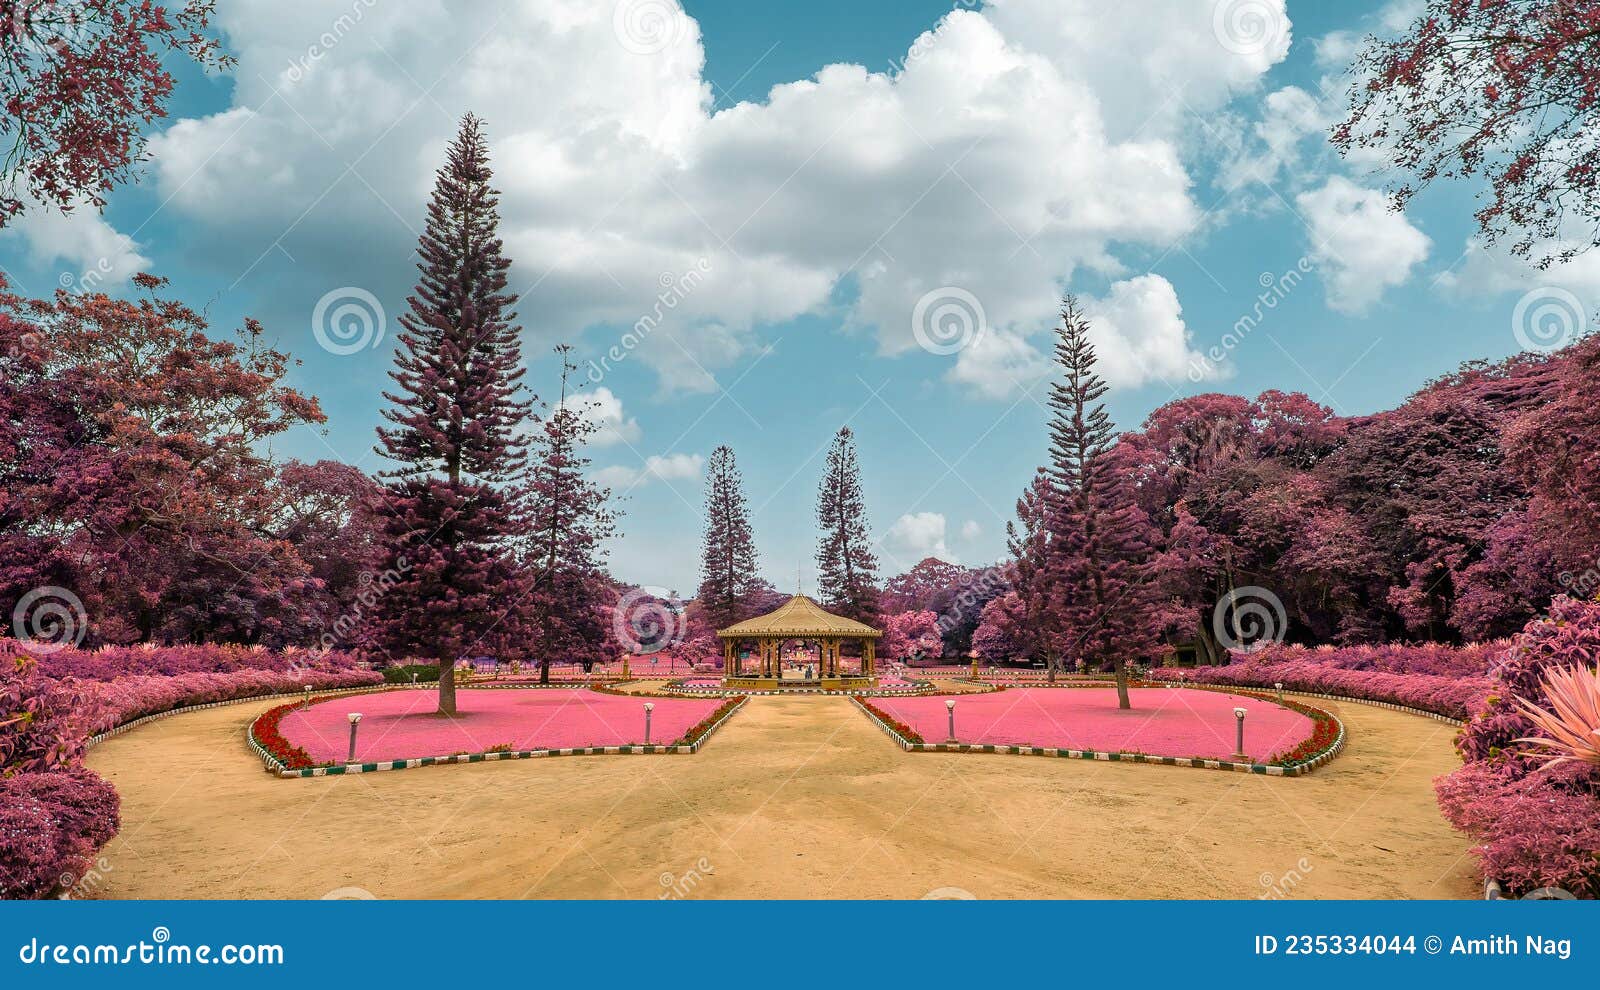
column 911, row 635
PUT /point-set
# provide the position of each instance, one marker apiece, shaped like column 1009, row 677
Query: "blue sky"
column 1170, row 168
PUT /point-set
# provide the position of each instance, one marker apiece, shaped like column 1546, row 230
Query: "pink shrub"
column 51, row 825
column 1453, row 697
column 1534, row 831
column 1538, row 823
column 111, row 662
column 1434, row 659
column 42, row 722
column 116, row 702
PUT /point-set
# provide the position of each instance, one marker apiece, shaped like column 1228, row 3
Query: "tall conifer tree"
column 847, row 569
column 1099, row 537
column 456, row 412
column 728, row 551
column 566, row 521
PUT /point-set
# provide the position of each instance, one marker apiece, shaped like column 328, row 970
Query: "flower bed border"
column 1265, row 769
column 274, row 766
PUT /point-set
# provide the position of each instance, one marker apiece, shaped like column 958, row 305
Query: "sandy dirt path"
column 794, row 797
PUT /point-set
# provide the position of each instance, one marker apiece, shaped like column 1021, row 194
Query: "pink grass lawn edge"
column 1178, row 722
column 401, row 725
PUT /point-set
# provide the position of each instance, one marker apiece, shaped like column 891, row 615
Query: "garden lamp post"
column 308, row 695
column 1279, row 686
column 1238, row 714
column 355, row 720
column 413, row 678
column 950, row 709
column 649, row 707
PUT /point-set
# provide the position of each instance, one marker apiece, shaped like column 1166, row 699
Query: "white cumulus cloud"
column 656, row 467
column 1359, row 244
column 917, row 535
column 1016, row 145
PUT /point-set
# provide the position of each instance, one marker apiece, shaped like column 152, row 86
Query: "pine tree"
column 1099, row 537
column 846, row 567
column 728, row 552
column 566, row 520
column 456, row 412
column 1032, row 572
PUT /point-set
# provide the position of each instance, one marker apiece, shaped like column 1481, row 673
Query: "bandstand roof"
column 799, row 618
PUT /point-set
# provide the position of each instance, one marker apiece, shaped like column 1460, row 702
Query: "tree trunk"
column 447, row 688
column 1121, row 667
column 1209, row 648
column 544, row 670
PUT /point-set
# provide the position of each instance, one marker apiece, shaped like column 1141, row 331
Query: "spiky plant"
column 1572, row 723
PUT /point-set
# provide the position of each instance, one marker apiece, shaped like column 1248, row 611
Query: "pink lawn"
column 1162, row 721
column 400, row 725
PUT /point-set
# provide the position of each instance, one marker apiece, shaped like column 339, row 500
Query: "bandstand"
column 801, row 619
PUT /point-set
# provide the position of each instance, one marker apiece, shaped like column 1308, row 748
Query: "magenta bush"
column 1435, row 659
column 111, row 662
column 1453, row 697
column 114, row 703
column 51, row 825
column 43, row 723
column 1538, row 824
column 1539, row 830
